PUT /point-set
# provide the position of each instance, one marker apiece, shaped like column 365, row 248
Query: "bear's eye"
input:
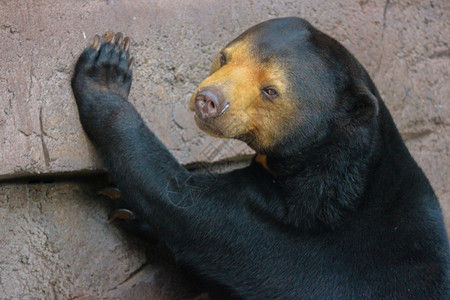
column 270, row 92
column 223, row 59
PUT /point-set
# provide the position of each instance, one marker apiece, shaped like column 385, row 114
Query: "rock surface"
column 58, row 244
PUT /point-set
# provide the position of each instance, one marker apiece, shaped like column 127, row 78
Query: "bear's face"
column 277, row 80
column 257, row 95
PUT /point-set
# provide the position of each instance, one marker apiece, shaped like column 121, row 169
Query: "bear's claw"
column 126, row 43
column 97, row 43
column 118, row 38
column 110, row 192
column 131, row 63
column 108, row 37
column 122, row 213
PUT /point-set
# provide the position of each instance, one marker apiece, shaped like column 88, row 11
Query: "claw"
column 97, row 43
column 110, row 192
column 123, row 214
column 131, row 63
column 126, row 43
column 118, row 38
column 108, row 36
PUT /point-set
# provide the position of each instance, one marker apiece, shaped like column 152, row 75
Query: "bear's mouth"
column 207, row 126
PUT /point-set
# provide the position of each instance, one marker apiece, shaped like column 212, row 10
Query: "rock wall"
column 56, row 243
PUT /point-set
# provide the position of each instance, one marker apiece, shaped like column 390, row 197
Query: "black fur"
column 349, row 215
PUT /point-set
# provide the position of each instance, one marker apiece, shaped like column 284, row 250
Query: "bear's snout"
column 210, row 103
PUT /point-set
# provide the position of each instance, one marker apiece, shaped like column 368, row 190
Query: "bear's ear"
column 360, row 106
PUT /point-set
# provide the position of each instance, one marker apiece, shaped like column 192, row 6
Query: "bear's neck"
column 323, row 183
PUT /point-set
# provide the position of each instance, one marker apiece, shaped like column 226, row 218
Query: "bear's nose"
column 210, row 102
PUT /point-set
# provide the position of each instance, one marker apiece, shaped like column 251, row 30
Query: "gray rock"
column 57, row 244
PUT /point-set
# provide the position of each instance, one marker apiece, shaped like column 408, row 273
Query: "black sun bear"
column 333, row 206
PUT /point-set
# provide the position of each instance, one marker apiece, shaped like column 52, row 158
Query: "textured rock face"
column 57, row 242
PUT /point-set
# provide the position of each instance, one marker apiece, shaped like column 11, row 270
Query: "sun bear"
column 332, row 206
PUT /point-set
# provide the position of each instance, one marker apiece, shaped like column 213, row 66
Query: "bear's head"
column 283, row 84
